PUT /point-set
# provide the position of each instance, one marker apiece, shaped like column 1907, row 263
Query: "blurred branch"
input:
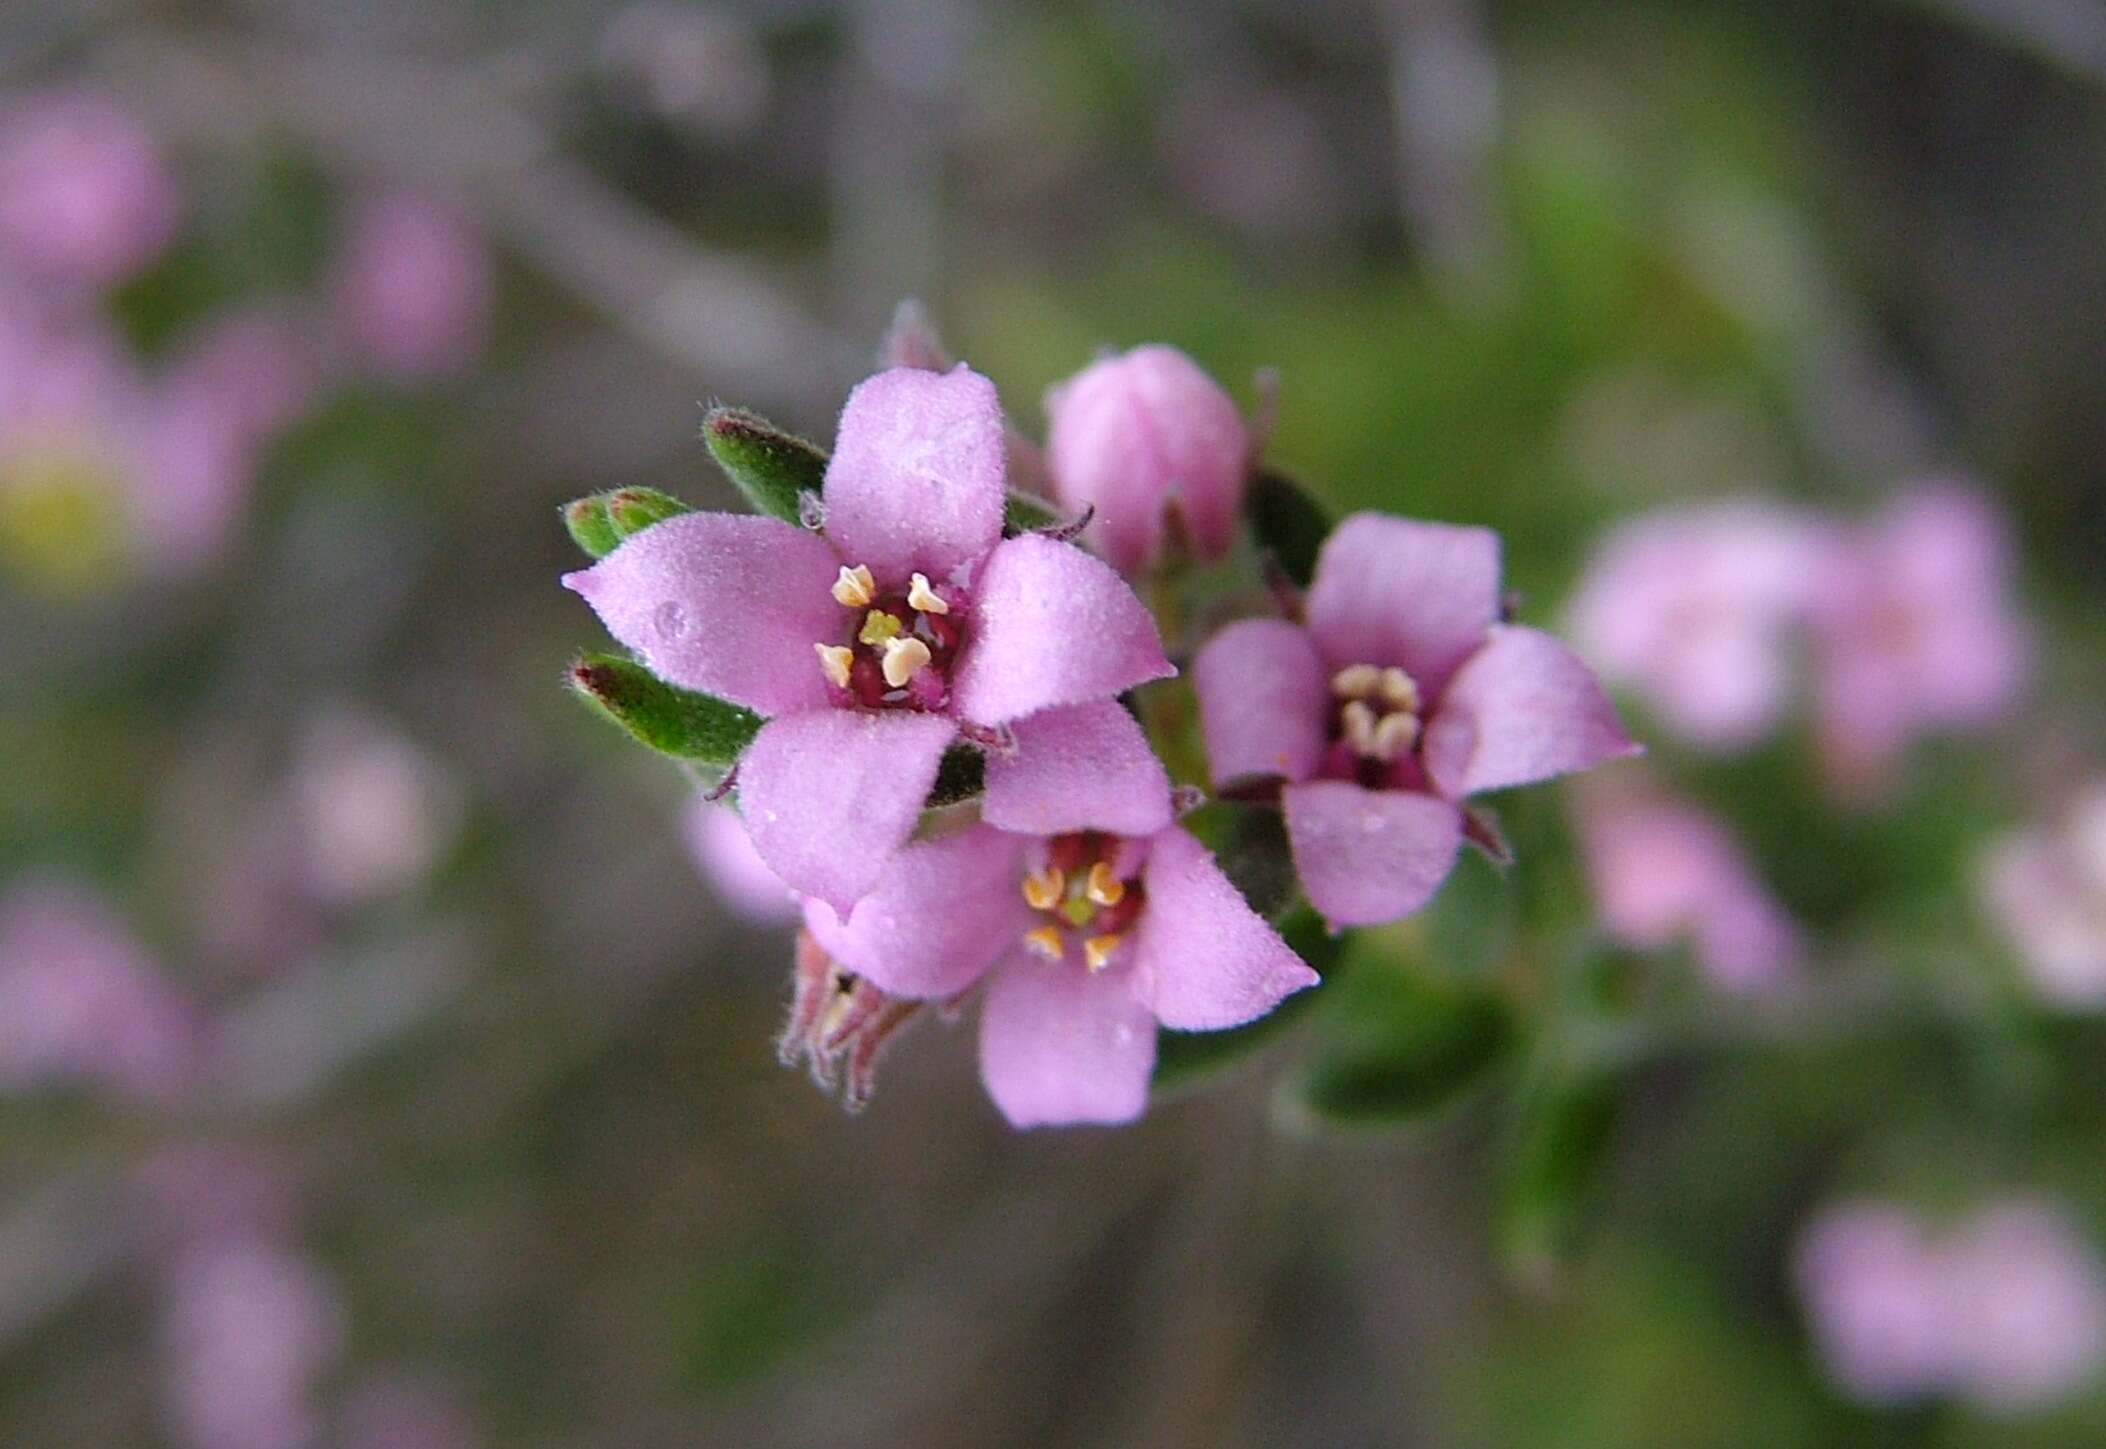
column 450, row 131
column 2067, row 34
column 1444, row 97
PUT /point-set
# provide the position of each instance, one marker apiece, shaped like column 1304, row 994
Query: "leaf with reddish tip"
column 600, row 522
column 670, row 720
column 773, row 468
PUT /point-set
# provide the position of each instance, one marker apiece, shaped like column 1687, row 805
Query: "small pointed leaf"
column 1398, row 1045
column 1028, row 513
column 774, row 469
column 1561, row 1143
column 672, row 721
column 1288, row 520
column 590, row 527
column 632, row 510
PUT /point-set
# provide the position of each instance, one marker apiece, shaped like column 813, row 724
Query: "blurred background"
column 386, row 1058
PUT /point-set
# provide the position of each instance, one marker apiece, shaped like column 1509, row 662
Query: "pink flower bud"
column 1139, row 435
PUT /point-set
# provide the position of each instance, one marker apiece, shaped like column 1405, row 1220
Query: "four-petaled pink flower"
column 1091, row 916
column 1402, row 696
column 1916, row 628
column 870, row 644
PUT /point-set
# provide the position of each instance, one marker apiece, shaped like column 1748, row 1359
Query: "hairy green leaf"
column 670, row 720
column 774, row 469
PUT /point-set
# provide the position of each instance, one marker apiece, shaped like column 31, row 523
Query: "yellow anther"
column 1356, row 681
column 1396, row 734
column 920, row 596
column 1105, row 888
column 835, row 659
column 1399, row 691
column 1046, row 942
column 1357, row 722
column 878, row 626
column 1043, row 889
column 904, row 658
column 1097, row 951
column 855, row 587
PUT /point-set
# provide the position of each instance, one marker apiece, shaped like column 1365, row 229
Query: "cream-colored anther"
column 904, row 658
column 1399, row 691
column 1097, row 951
column 855, row 587
column 920, row 596
column 1044, row 888
column 1357, row 722
column 1046, row 942
column 1105, row 888
column 1356, row 681
column 1394, row 736
column 835, row 659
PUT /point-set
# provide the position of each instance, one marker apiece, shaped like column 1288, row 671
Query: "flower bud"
column 1141, row 435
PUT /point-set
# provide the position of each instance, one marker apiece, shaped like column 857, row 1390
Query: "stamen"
column 1357, row 721
column 925, row 599
column 1356, row 681
column 1043, row 889
column 878, row 626
column 1399, row 691
column 835, row 659
column 1394, row 736
column 1097, row 951
column 1105, row 888
column 904, row 658
column 1046, row 942
column 855, row 587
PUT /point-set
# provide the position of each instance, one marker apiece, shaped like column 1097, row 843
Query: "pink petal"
column 916, row 478
column 830, row 794
column 943, row 913
column 1392, row 591
column 1264, row 701
column 1051, row 625
column 724, row 857
column 1369, row 856
column 1524, row 708
column 724, row 603
column 1205, row 960
column 1060, row 1044
column 1079, row 767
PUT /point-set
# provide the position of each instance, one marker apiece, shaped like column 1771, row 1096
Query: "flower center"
column 1377, row 716
column 900, row 646
column 1086, row 902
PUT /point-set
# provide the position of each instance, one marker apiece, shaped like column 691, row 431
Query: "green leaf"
column 590, row 527
column 670, row 720
column 1399, row 1045
column 1561, row 1142
column 600, row 522
column 961, row 775
column 774, row 469
column 1470, row 924
column 1288, row 521
column 1028, row 513
column 1183, row 1057
column 1250, row 844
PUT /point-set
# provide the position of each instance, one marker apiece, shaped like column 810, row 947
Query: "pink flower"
column 1156, row 447
column 1874, row 1292
column 412, row 287
column 1916, row 629
column 1403, row 696
column 724, row 857
column 248, row 1332
column 1663, row 871
column 873, row 643
column 1692, row 610
column 84, row 195
column 80, row 1001
column 2047, row 889
column 371, row 811
column 1091, row 917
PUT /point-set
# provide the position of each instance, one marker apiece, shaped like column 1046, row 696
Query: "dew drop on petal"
column 670, row 620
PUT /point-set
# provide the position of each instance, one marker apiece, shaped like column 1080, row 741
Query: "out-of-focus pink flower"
column 1692, row 611
column 372, row 811
column 1402, row 697
column 2028, row 1307
column 1089, row 914
column 872, row 644
column 247, row 1333
column 192, row 1193
column 2007, row 1311
column 1664, row 871
column 1917, row 628
column 1874, row 1291
column 1156, row 447
column 2046, row 888
column 401, row 1411
column 412, row 287
column 724, row 856
column 84, row 194
column 80, row 1002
